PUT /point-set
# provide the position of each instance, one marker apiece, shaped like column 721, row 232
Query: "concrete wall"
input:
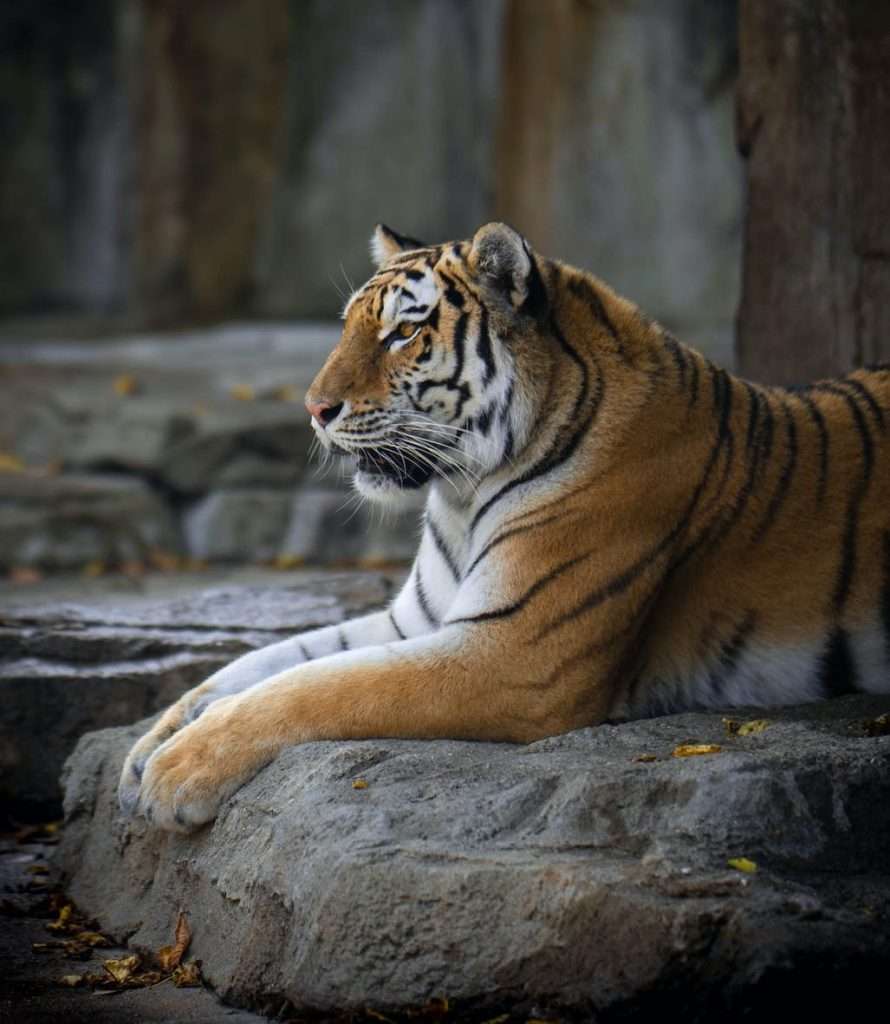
column 171, row 163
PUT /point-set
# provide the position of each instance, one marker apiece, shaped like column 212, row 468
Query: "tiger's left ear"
column 386, row 243
column 503, row 259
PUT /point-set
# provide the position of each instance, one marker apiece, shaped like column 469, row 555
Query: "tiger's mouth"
column 398, row 468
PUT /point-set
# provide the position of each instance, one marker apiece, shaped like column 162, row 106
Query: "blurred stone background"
column 187, row 191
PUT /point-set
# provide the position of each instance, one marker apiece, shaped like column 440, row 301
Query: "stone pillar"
column 814, row 124
column 616, row 150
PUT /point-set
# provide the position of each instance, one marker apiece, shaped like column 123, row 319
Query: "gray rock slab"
column 231, row 525
column 60, row 522
column 68, row 667
column 566, row 873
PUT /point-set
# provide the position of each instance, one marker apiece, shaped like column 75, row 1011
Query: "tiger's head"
column 425, row 381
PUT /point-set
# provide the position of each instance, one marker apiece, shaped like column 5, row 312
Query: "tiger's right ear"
column 386, row 243
column 503, row 259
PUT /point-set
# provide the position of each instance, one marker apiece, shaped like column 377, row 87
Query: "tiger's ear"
column 386, row 243
column 502, row 258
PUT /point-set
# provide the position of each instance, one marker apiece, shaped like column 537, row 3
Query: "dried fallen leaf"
column 743, row 864
column 754, row 726
column 286, row 393
column 25, row 574
column 731, row 725
column 37, row 869
column 122, row 970
column 71, row 980
column 168, row 957
column 188, row 975
column 10, row 463
column 243, row 392
column 696, row 749
column 646, row 758
column 879, row 726
column 359, row 784
column 94, row 569
column 61, row 922
column 166, row 561
column 125, row 384
column 288, row 561
column 497, row 1020
column 95, row 940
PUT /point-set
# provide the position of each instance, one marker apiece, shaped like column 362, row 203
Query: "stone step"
column 67, row 666
column 207, row 438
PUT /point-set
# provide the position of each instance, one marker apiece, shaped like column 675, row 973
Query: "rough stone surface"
column 69, row 667
column 566, row 872
column 66, row 521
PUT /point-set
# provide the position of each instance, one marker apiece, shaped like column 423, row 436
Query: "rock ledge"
column 566, row 873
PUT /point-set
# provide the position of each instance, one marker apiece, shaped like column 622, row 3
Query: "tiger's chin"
column 392, row 482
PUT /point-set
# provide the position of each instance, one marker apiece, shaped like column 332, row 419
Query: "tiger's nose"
column 323, row 411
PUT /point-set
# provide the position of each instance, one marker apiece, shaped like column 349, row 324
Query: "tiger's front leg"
column 458, row 683
column 245, row 672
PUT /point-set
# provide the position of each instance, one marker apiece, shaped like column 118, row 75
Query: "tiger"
column 615, row 527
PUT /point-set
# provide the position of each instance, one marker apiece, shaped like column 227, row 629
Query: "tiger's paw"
column 185, row 780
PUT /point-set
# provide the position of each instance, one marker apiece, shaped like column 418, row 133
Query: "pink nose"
column 323, row 411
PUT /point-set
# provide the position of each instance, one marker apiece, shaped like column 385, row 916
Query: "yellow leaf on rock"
column 188, row 975
column 122, row 970
column 645, row 758
column 11, row 463
column 696, row 749
column 25, row 574
column 71, row 980
column 94, row 569
column 243, row 392
column 754, row 726
column 125, row 384
column 168, row 957
column 61, row 922
column 359, row 784
column 743, row 864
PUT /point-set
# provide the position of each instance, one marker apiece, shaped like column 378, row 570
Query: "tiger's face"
column 421, row 384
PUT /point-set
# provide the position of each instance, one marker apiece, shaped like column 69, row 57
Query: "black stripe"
column 483, row 350
column 413, row 309
column 486, row 549
column 676, row 350
column 785, row 478
column 442, row 548
column 867, row 397
column 414, row 275
column 837, row 669
column 521, row 602
column 693, row 384
column 819, row 421
column 753, row 414
column 583, row 289
column 535, row 302
column 557, row 453
column 422, row 598
column 885, row 593
column 849, row 543
column 483, row 420
column 344, row 643
column 395, row 625
column 730, row 654
column 624, row 579
column 304, row 650
column 452, row 295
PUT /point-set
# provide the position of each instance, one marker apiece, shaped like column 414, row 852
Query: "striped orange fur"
column 615, row 527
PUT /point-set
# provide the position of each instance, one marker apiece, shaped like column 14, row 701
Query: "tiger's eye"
column 406, row 330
